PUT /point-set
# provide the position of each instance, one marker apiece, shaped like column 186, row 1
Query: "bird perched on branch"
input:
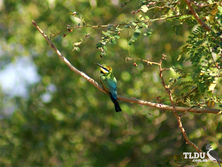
column 109, row 84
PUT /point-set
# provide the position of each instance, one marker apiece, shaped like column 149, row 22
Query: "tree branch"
column 204, row 25
column 130, row 100
column 180, row 125
column 101, row 26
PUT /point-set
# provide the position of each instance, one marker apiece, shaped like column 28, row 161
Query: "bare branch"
column 204, row 25
column 130, row 100
column 82, row 74
column 180, row 125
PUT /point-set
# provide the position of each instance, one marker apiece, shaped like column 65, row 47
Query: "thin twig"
column 180, row 125
column 130, row 100
column 121, row 24
column 104, row 26
column 204, row 25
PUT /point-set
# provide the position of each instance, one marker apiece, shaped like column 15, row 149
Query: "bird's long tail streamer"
column 117, row 107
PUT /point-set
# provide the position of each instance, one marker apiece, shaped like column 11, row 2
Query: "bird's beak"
column 104, row 69
column 100, row 65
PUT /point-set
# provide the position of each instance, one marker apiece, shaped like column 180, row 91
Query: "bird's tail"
column 117, row 107
column 218, row 163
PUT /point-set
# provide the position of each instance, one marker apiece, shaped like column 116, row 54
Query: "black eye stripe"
column 105, row 68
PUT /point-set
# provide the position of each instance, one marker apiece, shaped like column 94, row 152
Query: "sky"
column 17, row 75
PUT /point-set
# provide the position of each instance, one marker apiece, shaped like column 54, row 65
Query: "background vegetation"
column 64, row 121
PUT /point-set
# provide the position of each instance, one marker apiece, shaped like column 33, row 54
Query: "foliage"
column 77, row 125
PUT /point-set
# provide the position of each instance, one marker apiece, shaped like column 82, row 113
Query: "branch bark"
column 130, row 100
column 194, row 13
column 178, row 118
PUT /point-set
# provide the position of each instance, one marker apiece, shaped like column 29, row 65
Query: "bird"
column 212, row 154
column 109, row 84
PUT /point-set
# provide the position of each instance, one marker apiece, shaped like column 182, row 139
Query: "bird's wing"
column 112, row 84
column 104, row 83
column 112, row 87
column 214, row 154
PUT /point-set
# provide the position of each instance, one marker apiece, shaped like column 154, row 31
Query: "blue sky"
column 17, row 75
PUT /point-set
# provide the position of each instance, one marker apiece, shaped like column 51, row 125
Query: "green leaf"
column 144, row 8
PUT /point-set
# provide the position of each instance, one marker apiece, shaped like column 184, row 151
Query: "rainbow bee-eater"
column 109, row 84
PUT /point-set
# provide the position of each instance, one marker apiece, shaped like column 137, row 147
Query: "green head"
column 105, row 70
